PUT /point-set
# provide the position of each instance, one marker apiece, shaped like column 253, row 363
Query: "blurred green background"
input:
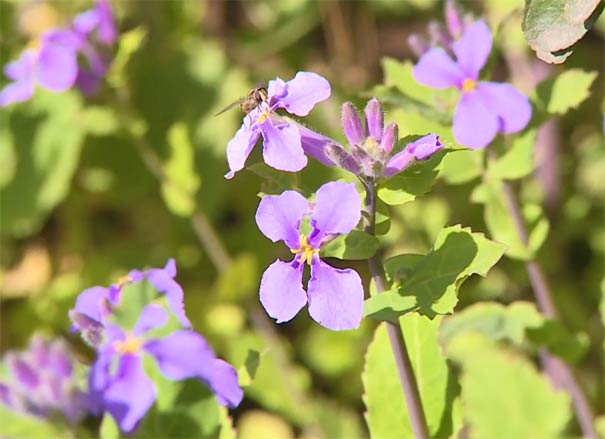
column 90, row 188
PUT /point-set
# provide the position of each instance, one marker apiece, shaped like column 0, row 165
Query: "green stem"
column 400, row 352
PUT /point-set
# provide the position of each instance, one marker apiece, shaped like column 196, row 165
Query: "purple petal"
column 472, row 49
column 425, row 146
column 314, row 144
column 281, row 291
column 337, row 208
column 436, row 69
column 60, row 360
column 86, row 22
column 303, row 92
column 24, row 374
column 170, row 267
column 511, row 106
column 130, row 394
column 352, row 124
column 93, row 303
column 19, row 91
column 475, row 125
column 57, row 67
column 239, row 148
column 282, row 148
column 398, row 163
column 172, row 360
column 224, row 384
column 335, row 297
column 99, row 379
column 278, row 217
column 453, row 19
column 374, row 119
column 22, row 67
column 342, row 158
column 107, row 28
column 152, row 317
column 164, row 283
column 389, row 138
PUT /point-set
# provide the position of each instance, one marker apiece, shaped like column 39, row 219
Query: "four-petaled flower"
column 95, row 304
column 119, row 385
column 282, row 146
column 335, row 296
column 485, row 108
column 53, row 63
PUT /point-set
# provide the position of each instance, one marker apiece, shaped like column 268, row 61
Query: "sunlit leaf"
column 503, row 394
column 386, row 411
column 355, row 245
column 432, row 284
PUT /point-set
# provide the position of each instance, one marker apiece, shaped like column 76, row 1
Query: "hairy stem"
column 400, row 352
column 558, row 371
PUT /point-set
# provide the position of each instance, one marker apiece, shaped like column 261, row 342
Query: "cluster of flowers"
column 52, row 61
column 117, row 381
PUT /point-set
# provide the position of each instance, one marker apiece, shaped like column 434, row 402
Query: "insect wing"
column 231, row 105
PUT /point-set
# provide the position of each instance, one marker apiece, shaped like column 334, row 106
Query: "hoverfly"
column 249, row 102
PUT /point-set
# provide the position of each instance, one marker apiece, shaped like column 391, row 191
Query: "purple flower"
column 371, row 147
column 335, row 296
column 94, row 305
column 282, row 147
column 52, row 66
column 96, row 30
column 119, row 385
column 485, row 108
column 43, row 382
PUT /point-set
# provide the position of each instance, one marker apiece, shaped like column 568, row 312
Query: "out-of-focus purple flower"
column 119, row 385
column 282, row 148
column 162, row 280
column 371, row 147
column 335, row 296
column 43, row 381
column 97, row 32
column 439, row 36
column 53, row 66
column 95, row 305
column 485, row 108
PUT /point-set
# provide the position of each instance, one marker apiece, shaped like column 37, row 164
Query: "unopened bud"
column 352, row 124
column 374, row 119
column 389, row 139
column 340, row 157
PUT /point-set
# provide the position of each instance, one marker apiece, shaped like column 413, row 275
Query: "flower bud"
column 398, row 163
column 389, row 138
column 453, row 19
column 352, row 124
column 374, row 119
column 425, row 146
column 439, row 37
column 338, row 155
column 418, row 45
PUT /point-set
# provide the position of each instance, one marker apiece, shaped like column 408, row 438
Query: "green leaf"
column 559, row 341
column 462, row 166
column 563, row 92
column 109, row 429
column 181, row 182
column 46, row 137
column 386, row 411
column 493, row 320
column 551, row 27
column 518, row 161
column 275, row 181
column 248, row 370
column 355, row 245
column 431, row 287
column 502, row 227
column 21, row 426
column 502, row 393
column 412, row 182
column 130, row 42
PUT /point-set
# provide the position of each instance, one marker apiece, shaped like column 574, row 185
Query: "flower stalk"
column 400, row 352
column 557, row 370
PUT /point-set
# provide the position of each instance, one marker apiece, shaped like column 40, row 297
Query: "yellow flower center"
column 469, row 85
column 371, row 145
column 305, row 252
column 130, row 345
column 264, row 115
column 124, row 280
